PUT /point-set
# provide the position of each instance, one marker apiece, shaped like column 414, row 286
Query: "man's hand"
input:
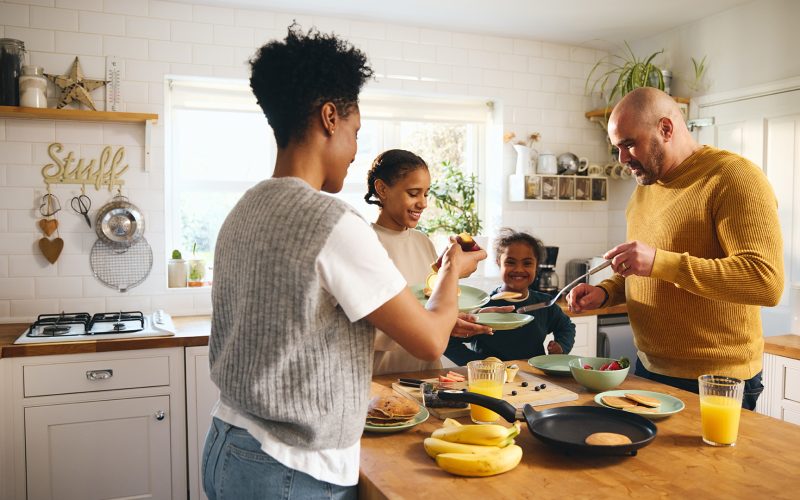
column 585, row 298
column 466, row 326
column 633, row 257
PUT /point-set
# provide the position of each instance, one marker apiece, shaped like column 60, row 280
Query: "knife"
column 410, row 382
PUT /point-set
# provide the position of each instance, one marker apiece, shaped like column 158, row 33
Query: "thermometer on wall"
column 113, row 77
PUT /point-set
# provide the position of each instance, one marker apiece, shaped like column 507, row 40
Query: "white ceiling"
column 594, row 23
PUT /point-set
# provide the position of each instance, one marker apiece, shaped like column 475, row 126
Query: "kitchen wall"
column 539, row 86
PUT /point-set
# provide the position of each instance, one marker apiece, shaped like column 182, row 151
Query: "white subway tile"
column 367, row 29
column 436, row 72
column 541, row 66
column 4, row 220
column 15, row 15
column 80, row 4
column 170, row 51
column 233, row 35
column 569, row 135
column 30, row 131
column 128, row 302
column 212, row 54
column 467, row 76
column 452, row 89
column 76, row 132
column 262, row 36
column 284, row 20
column 191, row 69
column 5, row 311
column 402, row 69
column 3, row 267
column 135, row 107
column 146, row 71
column 418, row 86
column 30, row 309
column 526, row 81
column 2, row 130
column 79, row 43
column 54, row 288
column 91, row 305
column 418, row 53
column 35, row 39
column 92, row 287
column 402, row 33
column 15, row 152
column 452, row 55
column 241, row 72
column 170, row 10
column 337, row 25
column 192, row 32
column 20, row 266
column 216, row 15
column 527, row 47
column 545, row 100
column 435, row 37
column 483, row 59
column 498, row 44
column 175, row 302
column 54, row 19
column 125, row 47
column 513, row 62
column 254, row 18
column 152, row 29
column 556, row 84
column 128, row 7
column 242, row 55
column 101, row 23
column 42, row 3
column 123, row 134
column 202, row 301
column 23, row 176
column 526, row 116
column 572, row 69
column 385, row 49
column 135, row 91
column 468, row 41
column 494, row 78
column 555, row 51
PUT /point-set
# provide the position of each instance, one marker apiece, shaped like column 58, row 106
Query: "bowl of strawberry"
column 599, row 374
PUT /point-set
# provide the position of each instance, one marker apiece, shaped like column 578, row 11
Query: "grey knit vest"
column 281, row 349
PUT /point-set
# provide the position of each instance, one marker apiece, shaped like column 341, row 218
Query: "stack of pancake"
column 391, row 410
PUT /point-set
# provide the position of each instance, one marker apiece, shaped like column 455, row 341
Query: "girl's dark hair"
column 507, row 236
column 391, row 166
column 293, row 78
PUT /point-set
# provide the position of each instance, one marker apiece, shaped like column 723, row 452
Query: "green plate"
column 471, row 298
column 553, row 364
column 669, row 404
column 503, row 321
column 386, row 429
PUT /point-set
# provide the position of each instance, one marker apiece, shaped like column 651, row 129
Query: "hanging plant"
column 629, row 71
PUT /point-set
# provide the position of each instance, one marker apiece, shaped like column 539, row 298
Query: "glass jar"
column 33, row 87
column 11, row 54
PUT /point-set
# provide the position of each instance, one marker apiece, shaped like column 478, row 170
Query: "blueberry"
column 513, row 393
column 543, row 386
column 536, row 388
column 524, row 384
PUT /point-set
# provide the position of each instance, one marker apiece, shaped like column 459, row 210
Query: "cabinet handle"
column 100, row 374
column 160, row 415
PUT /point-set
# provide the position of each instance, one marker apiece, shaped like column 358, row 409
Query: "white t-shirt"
column 356, row 270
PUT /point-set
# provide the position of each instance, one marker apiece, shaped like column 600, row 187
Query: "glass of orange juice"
column 485, row 377
column 720, row 408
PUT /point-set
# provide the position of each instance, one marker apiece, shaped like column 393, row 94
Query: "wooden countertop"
column 764, row 462
column 191, row 331
column 787, row 346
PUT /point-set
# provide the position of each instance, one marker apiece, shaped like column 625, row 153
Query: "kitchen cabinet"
column 201, row 394
column 585, row 335
column 781, row 397
column 101, row 425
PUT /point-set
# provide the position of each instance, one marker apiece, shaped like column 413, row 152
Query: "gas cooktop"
column 69, row 327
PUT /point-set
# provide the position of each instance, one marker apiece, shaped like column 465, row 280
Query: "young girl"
column 399, row 182
column 518, row 257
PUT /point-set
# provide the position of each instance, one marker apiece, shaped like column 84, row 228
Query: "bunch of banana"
column 474, row 450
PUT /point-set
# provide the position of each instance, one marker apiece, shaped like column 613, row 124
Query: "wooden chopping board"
column 525, row 395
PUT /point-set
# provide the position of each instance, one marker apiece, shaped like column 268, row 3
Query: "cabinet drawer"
column 581, row 335
column 89, row 376
column 791, row 385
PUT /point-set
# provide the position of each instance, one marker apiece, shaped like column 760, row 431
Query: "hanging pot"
column 119, row 222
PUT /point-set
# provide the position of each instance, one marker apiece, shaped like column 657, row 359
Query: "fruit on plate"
column 467, row 244
column 615, row 365
column 480, row 464
column 486, row 435
column 456, row 376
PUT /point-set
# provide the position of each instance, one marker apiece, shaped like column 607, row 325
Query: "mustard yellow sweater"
column 714, row 223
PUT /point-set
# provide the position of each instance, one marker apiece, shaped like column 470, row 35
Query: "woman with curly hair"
column 301, row 283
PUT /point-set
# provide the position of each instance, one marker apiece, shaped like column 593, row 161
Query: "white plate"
column 471, row 298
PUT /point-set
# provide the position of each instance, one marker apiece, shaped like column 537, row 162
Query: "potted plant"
column 197, row 269
column 454, row 196
column 176, row 271
column 616, row 75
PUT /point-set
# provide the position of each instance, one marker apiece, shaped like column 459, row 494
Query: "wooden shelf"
column 604, row 112
column 76, row 115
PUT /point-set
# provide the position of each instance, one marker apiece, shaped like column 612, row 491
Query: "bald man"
column 703, row 252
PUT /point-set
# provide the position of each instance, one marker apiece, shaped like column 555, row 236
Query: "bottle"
column 11, row 54
column 33, row 87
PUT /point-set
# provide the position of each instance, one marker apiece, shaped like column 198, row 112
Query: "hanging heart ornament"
column 51, row 249
column 48, row 226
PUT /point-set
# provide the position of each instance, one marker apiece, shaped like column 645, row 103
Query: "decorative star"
column 75, row 87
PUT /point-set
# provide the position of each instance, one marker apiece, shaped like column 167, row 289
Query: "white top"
column 413, row 253
column 356, row 270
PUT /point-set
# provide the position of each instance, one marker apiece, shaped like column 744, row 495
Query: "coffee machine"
column 546, row 278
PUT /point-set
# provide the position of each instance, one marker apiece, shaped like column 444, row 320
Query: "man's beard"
column 650, row 173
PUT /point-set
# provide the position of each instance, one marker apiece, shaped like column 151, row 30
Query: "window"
column 219, row 144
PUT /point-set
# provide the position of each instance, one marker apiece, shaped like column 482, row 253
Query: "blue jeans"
column 235, row 468
column 752, row 387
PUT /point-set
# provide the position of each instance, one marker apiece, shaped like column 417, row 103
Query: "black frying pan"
column 567, row 427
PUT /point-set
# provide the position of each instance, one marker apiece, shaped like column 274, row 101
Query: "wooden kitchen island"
column 765, row 463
